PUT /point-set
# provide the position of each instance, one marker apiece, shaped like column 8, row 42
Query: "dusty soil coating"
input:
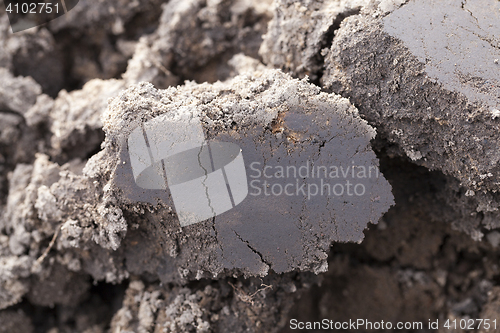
column 410, row 87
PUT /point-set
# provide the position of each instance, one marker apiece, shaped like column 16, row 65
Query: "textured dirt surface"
column 410, row 87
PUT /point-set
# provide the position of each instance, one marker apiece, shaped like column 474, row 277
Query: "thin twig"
column 64, row 7
column 243, row 296
column 261, row 289
column 51, row 244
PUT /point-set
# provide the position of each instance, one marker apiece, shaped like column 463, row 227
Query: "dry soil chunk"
column 196, row 38
column 257, row 305
column 75, row 117
column 304, row 155
column 299, row 31
column 426, row 76
column 17, row 94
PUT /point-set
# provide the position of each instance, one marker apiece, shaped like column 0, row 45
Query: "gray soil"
column 411, row 88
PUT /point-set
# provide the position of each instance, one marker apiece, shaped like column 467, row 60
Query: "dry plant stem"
column 243, row 296
column 51, row 244
column 64, row 6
